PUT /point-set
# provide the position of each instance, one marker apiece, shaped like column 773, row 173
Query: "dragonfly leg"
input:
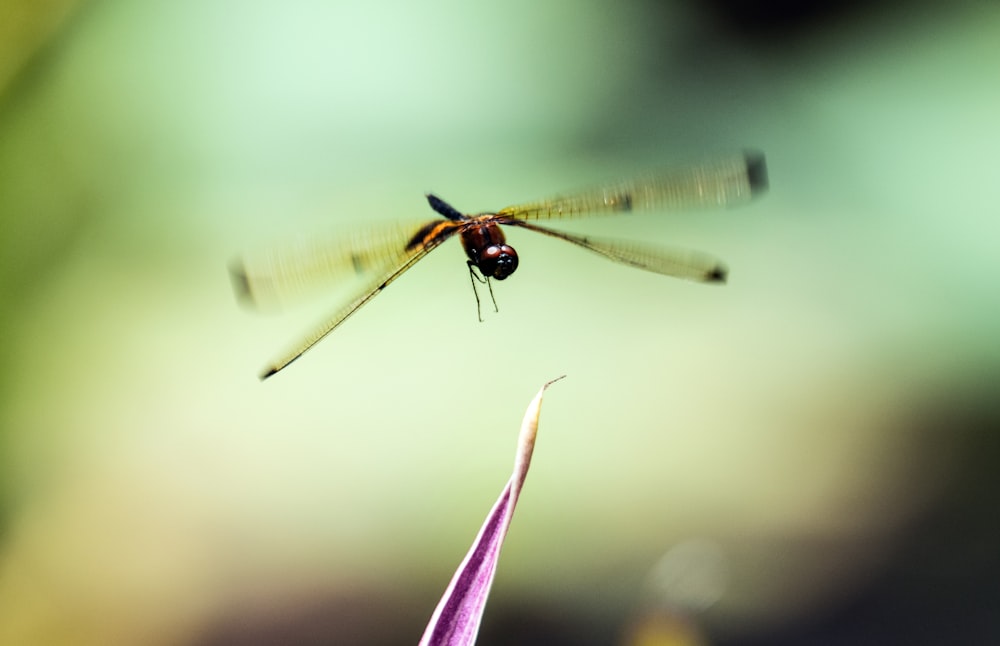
column 476, row 276
column 473, row 277
column 492, row 298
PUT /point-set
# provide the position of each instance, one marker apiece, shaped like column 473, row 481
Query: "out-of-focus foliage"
column 26, row 27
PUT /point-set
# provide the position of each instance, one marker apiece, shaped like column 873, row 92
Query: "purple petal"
column 456, row 620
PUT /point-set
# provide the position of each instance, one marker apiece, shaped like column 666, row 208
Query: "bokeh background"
column 807, row 455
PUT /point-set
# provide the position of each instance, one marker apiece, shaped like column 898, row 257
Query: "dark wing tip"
column 241, row 284
column 717, row 274
column 277, row 367
column 756, row 171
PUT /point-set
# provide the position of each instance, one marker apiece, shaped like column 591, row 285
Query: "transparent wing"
column 679, row 263
column 724, row 181
column 382, row 280
column 281, row 276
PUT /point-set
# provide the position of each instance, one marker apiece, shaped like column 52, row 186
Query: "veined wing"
column 724, row 181
column 284, row 275
column 370, row 291
column 382, row 254
column 679, row 263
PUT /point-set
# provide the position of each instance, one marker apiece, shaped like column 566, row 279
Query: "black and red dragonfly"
column 385, row 254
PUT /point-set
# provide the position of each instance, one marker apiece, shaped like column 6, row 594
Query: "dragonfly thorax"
column 487, row 249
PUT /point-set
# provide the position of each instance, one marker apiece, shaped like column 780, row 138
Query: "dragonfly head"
column 498, row 261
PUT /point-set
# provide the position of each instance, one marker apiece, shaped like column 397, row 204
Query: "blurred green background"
column 806, row 455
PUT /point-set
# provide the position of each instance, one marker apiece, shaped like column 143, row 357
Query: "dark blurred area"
column 776, row 22
column 938, row 582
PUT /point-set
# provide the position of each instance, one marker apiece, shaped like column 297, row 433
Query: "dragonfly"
column 383, row 255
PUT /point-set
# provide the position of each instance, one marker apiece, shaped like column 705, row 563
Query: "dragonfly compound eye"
column 498, row 261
